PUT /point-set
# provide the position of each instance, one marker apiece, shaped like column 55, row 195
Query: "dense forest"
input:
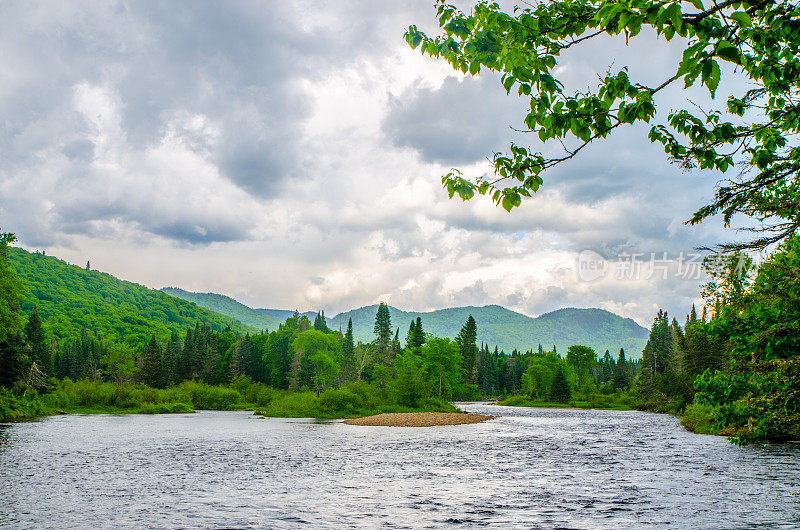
column 732, row 368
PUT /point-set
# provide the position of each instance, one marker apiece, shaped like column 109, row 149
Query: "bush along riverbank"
column 616, row 401
column 351, row 400
column 89, row 397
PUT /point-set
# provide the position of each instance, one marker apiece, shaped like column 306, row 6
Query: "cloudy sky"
column 289, row 154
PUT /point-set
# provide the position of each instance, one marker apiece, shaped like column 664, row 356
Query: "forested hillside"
column 225, row 305
column 70, row 299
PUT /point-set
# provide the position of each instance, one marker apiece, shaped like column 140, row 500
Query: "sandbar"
column 418, row 419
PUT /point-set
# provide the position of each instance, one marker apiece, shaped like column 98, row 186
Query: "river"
column 526, row 468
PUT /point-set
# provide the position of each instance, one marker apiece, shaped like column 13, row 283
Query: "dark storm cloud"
column 458, row 123
column 238, row 65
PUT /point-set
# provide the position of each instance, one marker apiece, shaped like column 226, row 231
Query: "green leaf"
column 510, row 200
column 742, row 18
column 729, row 52
column 543, row 134
column 710, row 76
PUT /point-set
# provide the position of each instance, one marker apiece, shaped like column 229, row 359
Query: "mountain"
column 497, row 326
column 225, row 305
column 282, row 314
column 506, row 329
column 71, row 298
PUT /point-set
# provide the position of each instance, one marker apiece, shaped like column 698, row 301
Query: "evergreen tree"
column 621, row 373
column 250, row 362
column 236, row 360
column 411, row 336
column 559, row 389
column 171, row 360
column 151, row 371
column 320, row 324
column 210, row 361
column 349, row 367
column 396, row 343
column 383, row 334
column 419, row 334
column 467, row 343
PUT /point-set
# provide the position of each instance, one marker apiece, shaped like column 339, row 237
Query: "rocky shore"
column 418, row 419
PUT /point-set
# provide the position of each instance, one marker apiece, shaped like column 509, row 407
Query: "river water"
column 526, row 468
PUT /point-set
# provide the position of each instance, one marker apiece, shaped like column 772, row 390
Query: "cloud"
column 461, row 121
column 289, row 155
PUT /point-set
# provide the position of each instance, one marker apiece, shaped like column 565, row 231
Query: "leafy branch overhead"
column 757, row 133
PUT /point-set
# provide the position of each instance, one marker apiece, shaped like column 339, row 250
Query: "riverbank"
column 418, row 419
column 618, row 401
column 89, row 397
column 695, row 418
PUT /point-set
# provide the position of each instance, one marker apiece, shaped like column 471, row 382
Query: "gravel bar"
column 418, row 419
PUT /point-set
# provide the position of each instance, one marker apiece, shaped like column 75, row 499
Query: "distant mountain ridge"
column 507, row 329
column 225, row 305
column 497, row 326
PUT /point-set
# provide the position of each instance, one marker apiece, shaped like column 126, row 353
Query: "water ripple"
column 537, row 468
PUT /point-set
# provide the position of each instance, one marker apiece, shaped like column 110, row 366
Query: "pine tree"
column 320, row 324
column 411, row 336
column 171, row 359
column 467, row 343
column 419, row 334
column 559, row 388
column 236, row 363
column 151, row 371
column 621, row 372
column 250, row 362
column 383, row 333
column 38, row 348
column 349, row 367
column 210, row 362
column 396, row 343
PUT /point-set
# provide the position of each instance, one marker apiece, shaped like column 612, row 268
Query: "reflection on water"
column 529, row 467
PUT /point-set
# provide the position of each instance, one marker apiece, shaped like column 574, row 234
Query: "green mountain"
column 506, row 329
column 282, row 314
column 497, row 326
column 71, row 298
column 226, row 305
